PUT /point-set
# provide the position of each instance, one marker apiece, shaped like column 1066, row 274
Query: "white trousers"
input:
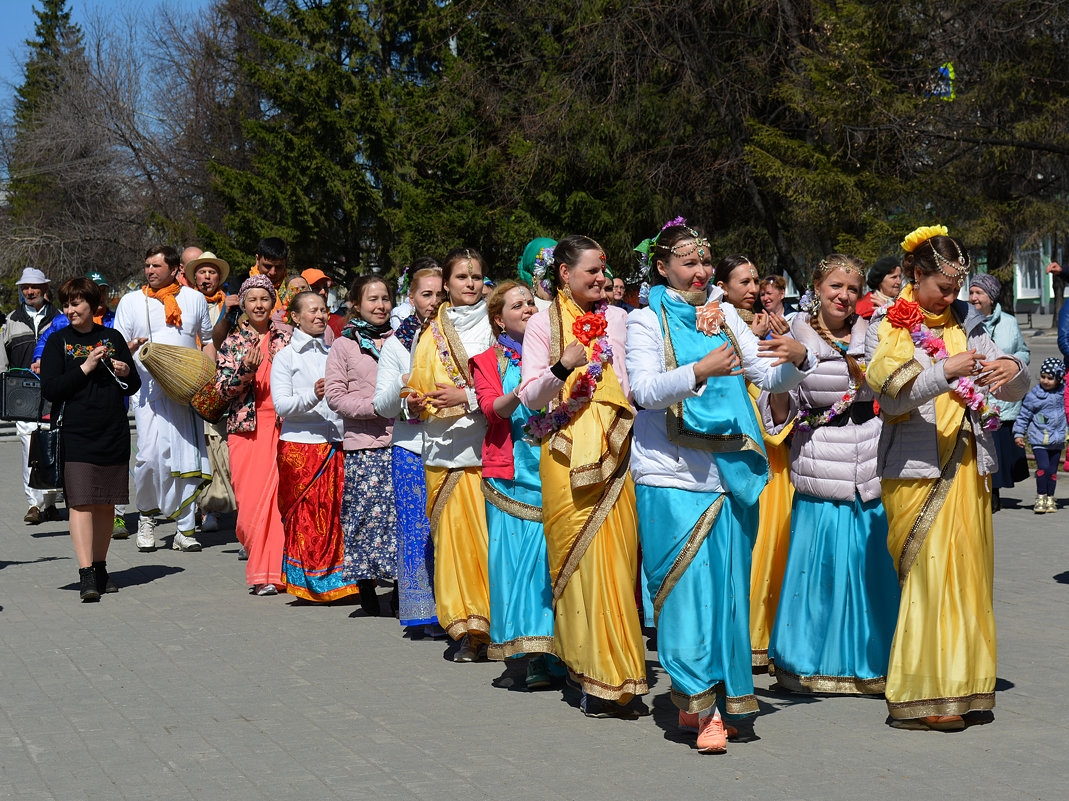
column 171, row 467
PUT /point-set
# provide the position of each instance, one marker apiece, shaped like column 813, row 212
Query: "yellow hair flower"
column 922, row 235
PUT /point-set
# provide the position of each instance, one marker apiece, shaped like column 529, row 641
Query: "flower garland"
column 807, row 421
column 446, row 357
column 907, row 314
column 588, row 328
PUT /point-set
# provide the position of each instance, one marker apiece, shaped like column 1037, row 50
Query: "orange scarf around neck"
column 218, row 297
column 168, row 296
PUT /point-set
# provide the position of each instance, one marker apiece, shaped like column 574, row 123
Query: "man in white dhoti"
column 207, row 274
column 171, row 467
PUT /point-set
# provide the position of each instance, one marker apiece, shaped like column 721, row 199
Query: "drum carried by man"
column 171, row 467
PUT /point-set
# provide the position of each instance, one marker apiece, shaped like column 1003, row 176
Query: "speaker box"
column 21, row 397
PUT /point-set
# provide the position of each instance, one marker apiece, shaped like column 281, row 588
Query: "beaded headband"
column 826, row 267
column 956, row 270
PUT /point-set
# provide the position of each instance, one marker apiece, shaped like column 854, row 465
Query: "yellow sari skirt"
column 461, row 544
column 771, row 545
column 944, row 649
column 597, row 632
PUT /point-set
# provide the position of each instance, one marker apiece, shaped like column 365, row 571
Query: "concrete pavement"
column 185, row 686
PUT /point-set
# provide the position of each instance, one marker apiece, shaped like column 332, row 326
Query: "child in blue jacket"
column 1042, row 421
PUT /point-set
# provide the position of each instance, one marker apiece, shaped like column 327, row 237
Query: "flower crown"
column 542, row 263
column 921, row 235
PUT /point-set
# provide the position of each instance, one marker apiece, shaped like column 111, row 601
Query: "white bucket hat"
column 31, row 275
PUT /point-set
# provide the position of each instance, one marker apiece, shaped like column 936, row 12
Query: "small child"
column 1042, row 420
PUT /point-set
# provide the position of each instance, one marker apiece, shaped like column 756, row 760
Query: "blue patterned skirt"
column 415, row 551
column 368, row 516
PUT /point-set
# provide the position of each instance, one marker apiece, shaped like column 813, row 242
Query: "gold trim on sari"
column 442, row 498
column 839, row 685
column 592, row 526
column 897, row 381
column 740, row 706
column 678, row 433
column 937, row 495
column 962, row 705
column 498, row 651
column 686, row 556
column 510, row 506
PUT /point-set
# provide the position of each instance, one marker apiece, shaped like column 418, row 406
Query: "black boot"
column 369, row 601
column 104, row 582
column 88, row 578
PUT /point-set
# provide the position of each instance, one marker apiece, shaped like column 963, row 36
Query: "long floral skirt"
column 368, row 517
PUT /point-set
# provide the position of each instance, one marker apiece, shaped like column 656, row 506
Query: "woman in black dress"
column 87, row 369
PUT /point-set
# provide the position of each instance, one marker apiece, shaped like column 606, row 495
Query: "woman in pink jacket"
column 368, row 515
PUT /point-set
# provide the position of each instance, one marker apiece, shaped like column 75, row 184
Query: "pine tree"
column 54, row 52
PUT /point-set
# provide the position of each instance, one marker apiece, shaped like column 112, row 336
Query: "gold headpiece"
column 825, row 266
column 957, row 270
column 699, row 243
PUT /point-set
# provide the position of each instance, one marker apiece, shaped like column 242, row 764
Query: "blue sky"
column 16, row 26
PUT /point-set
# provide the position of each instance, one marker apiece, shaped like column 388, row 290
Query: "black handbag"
column 46, row 455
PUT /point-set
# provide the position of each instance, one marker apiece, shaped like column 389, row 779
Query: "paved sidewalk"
column 184, row 686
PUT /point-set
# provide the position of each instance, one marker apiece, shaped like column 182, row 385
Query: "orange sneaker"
column 712, row 738
column 688, row 721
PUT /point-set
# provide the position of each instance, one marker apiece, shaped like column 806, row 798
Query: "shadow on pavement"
column 1062, row 578
column 1001, row 685
column 133, row 576
column 4, row 564
column 63, row 532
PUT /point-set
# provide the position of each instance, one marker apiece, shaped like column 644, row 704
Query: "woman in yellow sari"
column 573, row 370
column 932, row 363
column 441, row 392
column 738, row 278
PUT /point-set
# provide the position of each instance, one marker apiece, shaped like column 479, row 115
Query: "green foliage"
column 57, row 44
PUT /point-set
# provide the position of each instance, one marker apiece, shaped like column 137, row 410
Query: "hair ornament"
column 543, row 262
column 646, row 246
column 826, row 267
column 402, row 282
column 809, row 303
column 921, row 235
column 957, row 270
column 644, row 294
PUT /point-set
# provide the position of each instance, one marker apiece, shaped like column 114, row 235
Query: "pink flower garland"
column 543, row 423
column 972, row 397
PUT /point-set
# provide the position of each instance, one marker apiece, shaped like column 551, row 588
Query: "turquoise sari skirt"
column 703, row 610
column 839, row 603
column 521, row 597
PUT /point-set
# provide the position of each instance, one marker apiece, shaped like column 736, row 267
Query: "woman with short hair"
column 86, row 371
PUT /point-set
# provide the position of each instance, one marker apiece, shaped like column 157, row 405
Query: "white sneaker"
column 146, row 534
column 209, row 523
column 183, row 543
column 267, row 589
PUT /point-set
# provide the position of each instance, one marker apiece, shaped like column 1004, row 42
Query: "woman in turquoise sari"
column 521, row 598
column 699, row 468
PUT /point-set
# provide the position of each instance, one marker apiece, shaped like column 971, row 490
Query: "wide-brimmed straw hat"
column 206, row 258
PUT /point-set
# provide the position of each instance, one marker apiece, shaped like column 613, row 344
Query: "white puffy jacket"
column 831, row 461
